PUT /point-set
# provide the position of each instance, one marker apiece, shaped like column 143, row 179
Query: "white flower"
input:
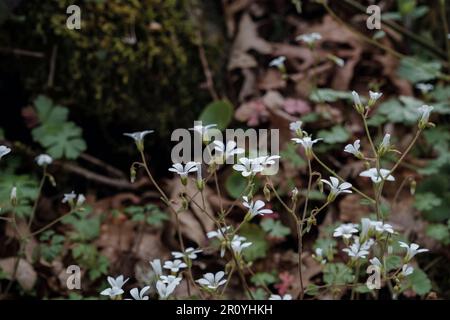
column 139, row 295
column 336, row 188
column 69, row 197
column 307, row 143
column 227, row 151
column 407, row 270
column 164, row 291
column 386, row 143
column 374, row 96
column 203, row 130
column 238, row 245
column 295, row 126
column 13, row 196
column 278, row 62
column 425, row 114
column 375, row 262
column 278, row 297
column 80, row 200
column 44, row 160
column 424, row 87
column 138, row 137
column 174, row 265
column 381, row 227
column 183, row 171
column 318, row 255
column 212, row 281
column 189, row 253
column 372, row 173
column 356, row 98
column 4, row 150
column 366, row 227
column 171, row 279
column 156, row 266
column 116, row 286
column 345, row 230
column 356, row 250
column 354, row 148
column 255, row 208
column 219, row 233
column 411, row 250
column 309, row 38
column 248, row 167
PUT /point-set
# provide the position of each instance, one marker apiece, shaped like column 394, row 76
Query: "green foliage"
column 330, row 95
column 401, row 110
column 290, row 154
column 257, row 237
column 258, row 294
column 51, row 245
column 393, row 262
column 275, row 228
column 327, row 245
column 427, row 201
column 264, row 278
column 439, row 232
column 88, row 257
column 337, row 274
column 60, row 137
column 433, row 196
column 235, row 185
column 218, row 112
column 416, row 70
column 86, row 227
column 336, row 134
column 149, row 213
column 419, row 282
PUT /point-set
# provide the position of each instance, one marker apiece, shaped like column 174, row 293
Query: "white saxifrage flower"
column 204, row 131
column 140, row 295
column 309, row 38
column 411, row 250
column 165, row 290
column 375, row 262
column 278, row 62
column 138, row 138
column 255, row 208
column 336, row 188
column 116, row 286
column 156, row 266
column 248, row 167
column 227, row 151
column 424, row 115
column 345, row 230
column 174, row 265
column 238, row 245
column 374, row 96
column 278, row 297
column 183, row 171
column 4, row 150
column 296, row 127
column 219, row 233
column 13, row 196
column 354, row 149
column 357, row 102
column 386, row 143
column 407, row 270
column 212, row 281
column 69, row 197
column 357, row 250
column 424, row 87
column 189, row 253
column 381, row 227
column 307, row 144
column 43, row 160
column 376, row 176
column 171, row 279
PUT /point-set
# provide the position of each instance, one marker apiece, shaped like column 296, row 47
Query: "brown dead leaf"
column 351, row 210
column 25, row 275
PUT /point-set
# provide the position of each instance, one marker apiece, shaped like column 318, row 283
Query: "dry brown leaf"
column 351, row 209
column 25, row 275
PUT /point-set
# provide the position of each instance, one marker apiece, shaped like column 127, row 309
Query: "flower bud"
column 132, row 174
column 13, row 196
column 266, row 192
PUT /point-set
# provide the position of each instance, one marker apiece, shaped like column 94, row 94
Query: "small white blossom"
column 278, row 62
column 139, row 295
column 356, row 98
column 374, row 96
column 165, row 290
column 13, row 196
column 219, row 233
column 354, row 148
column 381, row 227
column 345, row 230
column 4, row 150
column 171, row 279
column 228, row 150
column 309, row 38
column 295, row 126
column 407, row 270
column 336, row 188
column 116, row 286
column 156, row 266
column 69, row 197
column 80, row 200
column 183, row 171
column 318, row 255
column 386, row 143
column 376, row 177
column 203, row 130
column 255, row 208
column 357, row 250
column 189, row 253
column 424, row 87
column 248, row 167
column 43, row 160
column 424, row 115
column 174, row 265
column 138, row 137
column 212, row 281
column 238, row 245
column 278, row 297
column 375, row 262
column 411, row 250
column 307, row 144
